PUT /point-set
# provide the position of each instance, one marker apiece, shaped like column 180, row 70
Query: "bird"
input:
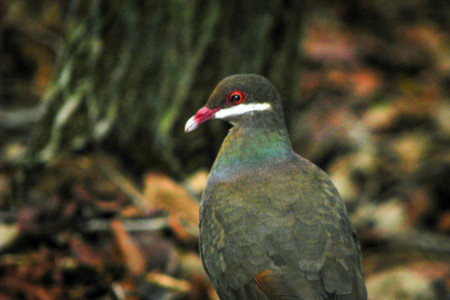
column 272, row 224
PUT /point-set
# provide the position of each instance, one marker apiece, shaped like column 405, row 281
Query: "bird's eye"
column 236, row 97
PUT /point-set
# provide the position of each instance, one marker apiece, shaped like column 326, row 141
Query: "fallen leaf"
column 399, row 283
column 8, row 234
column 131, row 254
column 365, row 82
column 161, row 192
column 85, row 253
column 197, row 181
column 168, row 282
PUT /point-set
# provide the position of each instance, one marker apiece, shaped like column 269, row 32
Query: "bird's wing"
column 282, row 239
column 315, row 251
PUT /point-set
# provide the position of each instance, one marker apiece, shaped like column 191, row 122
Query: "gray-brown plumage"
column 272, row 225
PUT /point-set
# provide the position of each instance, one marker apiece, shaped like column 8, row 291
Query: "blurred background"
column 99, row 185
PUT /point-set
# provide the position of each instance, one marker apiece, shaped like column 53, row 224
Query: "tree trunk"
column 131, row 72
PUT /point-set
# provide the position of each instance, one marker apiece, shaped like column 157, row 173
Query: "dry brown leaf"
column 196, row 182
column 212, row 294
column 419, row 204
column 379, row 117
column 399, row 283
column 429, row 37
column 325, row 41
column 431, row 270
column 131, row 254
column 85, row 253
column 161, row 192
column 19, row 286
column 365, row 82
column 391, row 219
column 444, row 222
column 309, row 83
column 411, row 149
column 181, row 230
column 168, row 282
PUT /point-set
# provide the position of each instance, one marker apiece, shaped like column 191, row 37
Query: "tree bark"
column 131, row 72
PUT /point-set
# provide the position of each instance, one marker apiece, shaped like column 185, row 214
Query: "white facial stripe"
column 241, row 109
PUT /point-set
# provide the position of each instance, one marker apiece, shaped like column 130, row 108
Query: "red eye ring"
column 236, row 97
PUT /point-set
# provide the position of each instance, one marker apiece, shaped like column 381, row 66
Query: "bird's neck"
column 246, row 148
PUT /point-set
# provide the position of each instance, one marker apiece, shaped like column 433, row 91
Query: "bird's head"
column 243, row 100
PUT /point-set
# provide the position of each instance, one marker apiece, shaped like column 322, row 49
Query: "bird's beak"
column 204, row 114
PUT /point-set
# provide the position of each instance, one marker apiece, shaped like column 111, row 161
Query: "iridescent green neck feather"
column 246, row 148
